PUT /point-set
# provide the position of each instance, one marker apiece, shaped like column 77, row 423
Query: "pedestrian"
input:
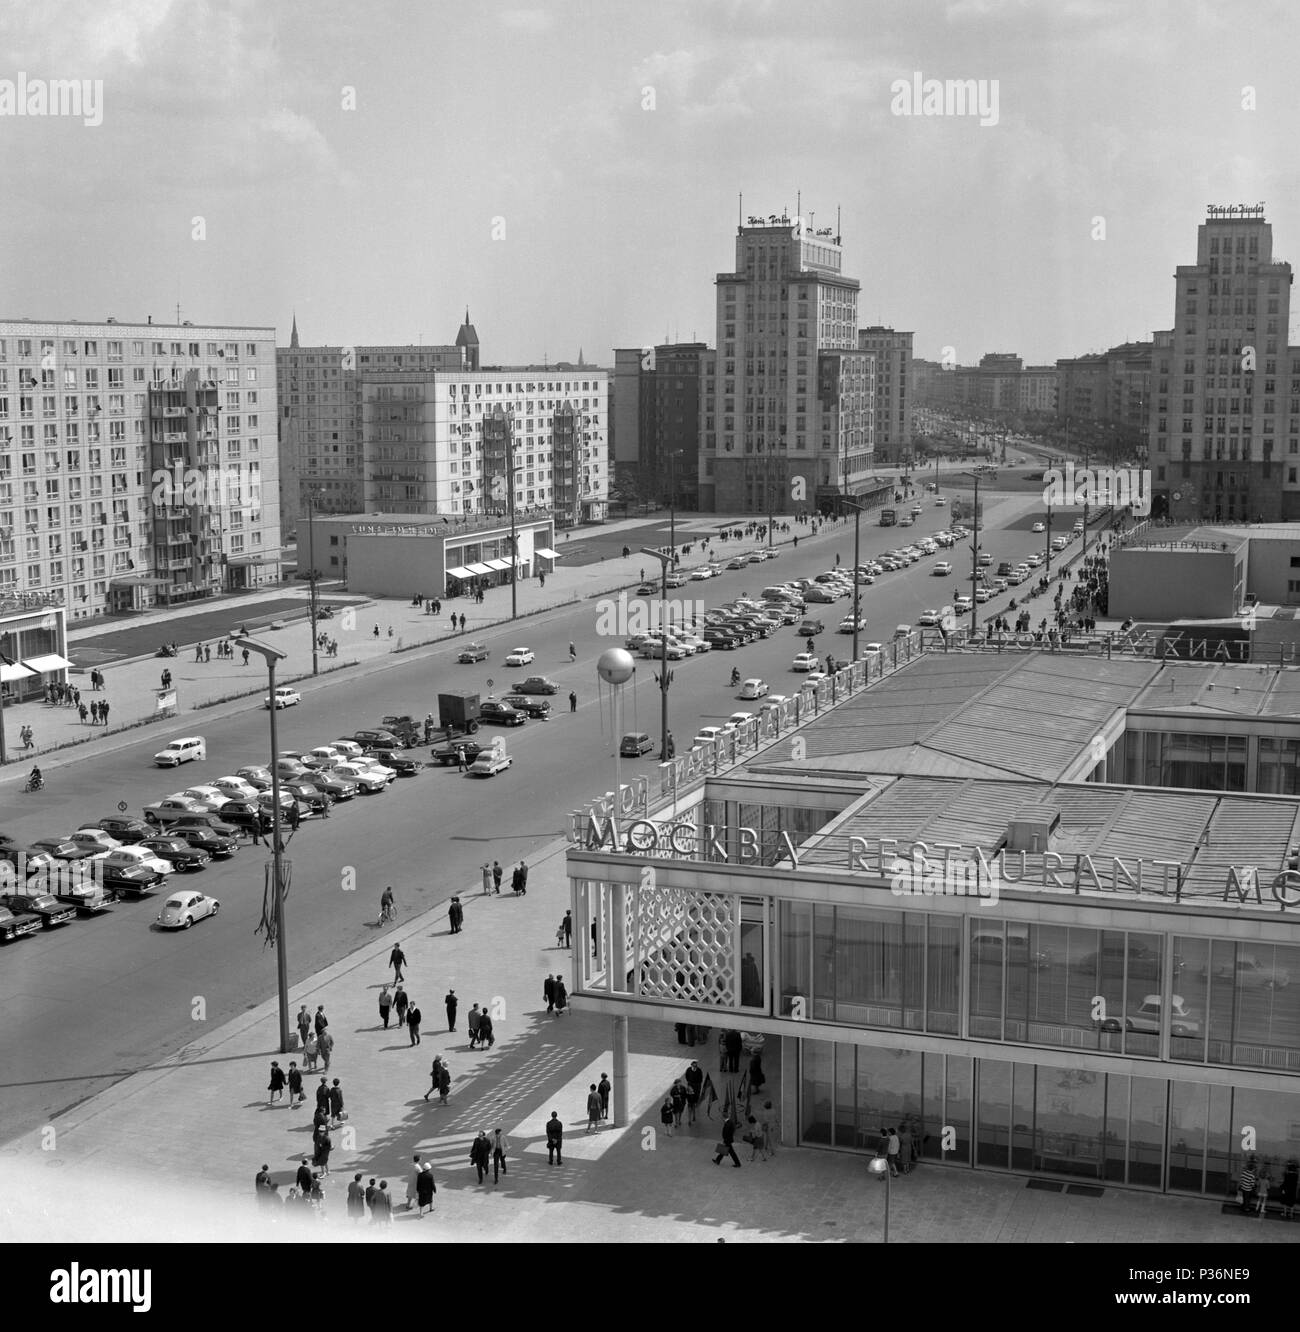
column 326, row 1043
column 452, row 1004
column 462, row 622
column 356, row 1199
column 485, row 1034
column 453, row 622
column 604, row 1087
column 336, row 1102
column 480, row 1152
column 771, row 1128
column 694, row 1079
column 296, row 1093
column 302, row 1179
column 756, row 1075
column 472, row 1021
column 727, row 1146
column 677, row 1094
column 1290, row 1182
column 548, row 993
column 434, row 1074
column 413, row 1184
column 382, row 1212
column 593, row 1109
column 666, row 1116
column 413, row 1019
column 425, row 1188
column 245, row 656
column 891, row 1151
column 573, row 652
column 561, row 996
column 103, row 711
column 400, row 1004
column 523, row 877
column 370, row 1195
column 207, row 652
column 754, row 1136
column 444, row 1084
column 500, row 1146
column 324, row 1146
column 567, row 922
column 323, row 1097
column 497, row 872
column 84, row 712
column 320, row 1021
column 310, row 1050
column 397, row 960
column 554, row 1140
column 732, row 1044
column 456, row 915
column 385, row 1004
column 905, row 1148
column 462, row 764
column 573, row 701
column 276, row 1085
column 516, row 881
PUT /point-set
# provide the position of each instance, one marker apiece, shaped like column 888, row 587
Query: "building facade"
column 789, row 419
column 1112, row 386
column 1224, row 424
column 137, row 464
column 658, row 413
column 892, row 407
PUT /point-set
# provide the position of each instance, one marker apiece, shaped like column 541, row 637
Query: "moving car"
column 472, row 652
column 739, row 562
column 537, row 708
column 284, row 698
column 675, row 579
column 984, row 558
column 401, row 763
column 489, row 763
column 182, row 751
column 634, row 744
column 446, row 757
column 181, row 910
column 646, row 590
column 809, row 627
column 982, row 594
column 1249, row 973
column 700, row 574
column 178, row 852
column 929, row 617
column 805, row 661
column 753, row 688
column 1060, row 543
column 537, row 684
column 501, row 714
column 1040, row 527
column 520, row 656
column 45, row 906
column 822, row 594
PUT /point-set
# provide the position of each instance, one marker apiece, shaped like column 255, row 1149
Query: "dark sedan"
column 130, row 880
column 721, row 638
column 246, row 815
column 126, row 829
column 502, row 714
column 62, row 848
column 45, row 905
column 212, row 822
column 537, row 708
column 446, row 756
column 537, row 684
column 307, row 793
column 14, row 926
column 178, row 852
column 337, row 788
column 204, row 839
column 400, row 762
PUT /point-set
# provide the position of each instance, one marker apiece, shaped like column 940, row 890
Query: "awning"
column 458, row 572
column 8, row 674
column 546, row 554
column 139, row 580
column 498, row 564
column 479, row 569
column 266, row 557
column 51, row 662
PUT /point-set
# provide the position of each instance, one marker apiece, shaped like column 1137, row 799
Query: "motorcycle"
column 34, row 784
column 735, row 677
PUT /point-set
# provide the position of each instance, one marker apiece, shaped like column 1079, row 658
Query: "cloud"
column 527, row 20
column 63, row 36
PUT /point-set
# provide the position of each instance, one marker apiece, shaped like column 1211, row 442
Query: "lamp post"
column 272, row 655
column 857, row 523
column 672, row 503
column 4, row 661
column 879, row 1166
column 665, row 559
column 311, row 558
column 974, row 558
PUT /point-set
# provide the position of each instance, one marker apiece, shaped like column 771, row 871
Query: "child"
column 666, row 1115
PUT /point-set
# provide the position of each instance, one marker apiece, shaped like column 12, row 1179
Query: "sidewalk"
column 183, row 1140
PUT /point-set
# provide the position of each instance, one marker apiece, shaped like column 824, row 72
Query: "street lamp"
column 672, row 502
column 974, row 559
column 272, row 655
column 879, row 1166
column 857, row 522
column 311, row 559
column 665, row 559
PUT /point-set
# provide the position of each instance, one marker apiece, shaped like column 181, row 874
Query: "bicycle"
column 387, row 913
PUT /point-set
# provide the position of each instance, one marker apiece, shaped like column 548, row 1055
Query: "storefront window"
column 1189, row 1107
column 993, row 1125
column 1146, row 1131
column 796, row 958
column 818, row 1064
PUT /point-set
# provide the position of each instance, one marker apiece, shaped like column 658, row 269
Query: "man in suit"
column 554, row 1140
column 413, row 1016
column 728, row 1139
column 500, row 1146
column 303, row 1178
column 548, row 993
column 485, row 1035
column 452, row 1005
column 523, row 877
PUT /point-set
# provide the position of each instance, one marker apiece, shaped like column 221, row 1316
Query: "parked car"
column 472, row 652
column 520, row 656
column 246, row 815
column 204, row 839
column 403, row 764
column 213, row 822
column 501, row 714
column 284, row 698
column 258, row 778
column 700, row 574
column 125, row 829
column 185, row 750
column 130, row 880
column 178, row 852
column 675, row 579
column 65, row 848
column 363, row 777
column 94, row 840
column 138, row 855
column 181, row 910
column 929, row 616
column 45, row 906
column 172, row 808
column 235, row 788
column 1146, row 1017
column 16, row 924
column 446, row 756
column 368, row 739
column 307, row 793
column 209, row 797
column 489, row 763
column 405, row 727
column 753, row 688
column 537, row 708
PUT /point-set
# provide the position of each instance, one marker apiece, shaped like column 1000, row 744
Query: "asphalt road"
column 104, row 997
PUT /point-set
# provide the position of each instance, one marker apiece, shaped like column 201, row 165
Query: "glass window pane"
column 1022, row 1117
column 817, row 1060
column 1070, row 1120
column 994, row 1124
column 958, row 1074
column 987, row 949
column 1146, row 1144
column 942, row 973
column 1115, row 1165
column 1189, row 1107
column 796, row 956
column 846, row 1099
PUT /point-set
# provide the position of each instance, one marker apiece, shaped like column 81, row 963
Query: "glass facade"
column 1003, row 1115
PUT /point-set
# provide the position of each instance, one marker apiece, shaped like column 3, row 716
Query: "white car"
column 520, row 656
column 182, row 751
column 870, row 650
column 1040, row 527
column 1060, row 543
column 942, row 569
column 708, row 734
column 371, row 765
column 348, row 748
column 489, row 763
column 814, row 677
column 849, row 625
column 753, row 688
column 982, row 594
column 284, row 698
column 210, row 797
column 94, row 840
column 805, row 661
column 181, row 910
column 362, row 777
column 124, row 857
column 940, row 501
column 689, row 638
column 772, row 703
column 700, row 574
column 655, row 649
column 1035, row 559
column 1078, row 525
column 235, row 788
column 739, row 720
column 929, row 617
column 961, row 603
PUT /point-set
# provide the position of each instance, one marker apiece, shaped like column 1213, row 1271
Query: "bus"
column 888, row 517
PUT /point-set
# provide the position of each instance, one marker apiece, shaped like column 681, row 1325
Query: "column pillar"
column 620, row 1073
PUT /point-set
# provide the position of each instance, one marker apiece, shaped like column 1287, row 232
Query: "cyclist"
column 387, row 911
column 35, row 781
column 573, row 652
column 735, row 677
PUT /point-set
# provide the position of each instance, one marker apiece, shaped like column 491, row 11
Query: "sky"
column 571, row 172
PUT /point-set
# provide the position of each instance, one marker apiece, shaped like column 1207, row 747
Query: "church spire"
column 293, row 337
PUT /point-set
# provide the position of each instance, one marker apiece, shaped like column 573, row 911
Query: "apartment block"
column 892, row 406
column 138, row 467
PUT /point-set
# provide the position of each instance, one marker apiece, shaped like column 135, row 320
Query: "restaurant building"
column 929, row 886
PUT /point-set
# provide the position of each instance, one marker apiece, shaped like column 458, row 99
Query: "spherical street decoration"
column 615, row 666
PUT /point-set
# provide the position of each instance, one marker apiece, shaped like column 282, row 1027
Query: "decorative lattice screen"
column 687, row 943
